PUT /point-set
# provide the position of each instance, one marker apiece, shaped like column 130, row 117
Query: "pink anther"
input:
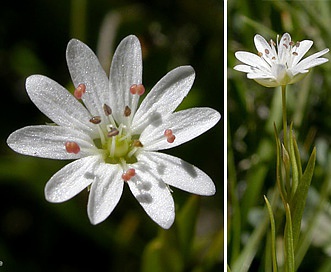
column 138, row 89
column 79, row 91
column 128, row 174
column 72, row 147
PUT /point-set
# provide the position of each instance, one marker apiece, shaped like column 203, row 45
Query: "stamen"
column 79, row 91
column 168, row 132
column 138, row 89
column 266, row 51
column 72, row 147
column 137, row 143
column 95, row 120
column 127, row 111
column 126, row 176
column 170, row 137
column 113, row 132
column 291, row 43
column 295, row 53
column 107, row 110
column 285, row 45
column 260, row 54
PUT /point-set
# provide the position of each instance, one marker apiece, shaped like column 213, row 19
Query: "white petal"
column 84, row 67
column 263, row 47
column 71, row 179
column 252, row 60
column 178, row 173
column 126, row 70
column 312, row 60
column 153, row 195
column 267, row 82
column 185, row 125
column 105, row 193
column 284, row 48
column 303, row 48
column 164, row 98
column 244, row 68
column 49, row 142
column 58, row 104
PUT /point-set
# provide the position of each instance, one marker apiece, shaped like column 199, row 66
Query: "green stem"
column 284, row 116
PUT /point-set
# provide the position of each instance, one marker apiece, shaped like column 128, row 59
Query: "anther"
column 72, row 147
column 113, row 132
column 107, row 110
column 260, row 54
column 79, row 91
column 170, row 137
column 126, row 176
column 95, row 120
column 285, row 45
column 291, row 43
column 297, row 44
column 295, row 53
column 266, row 51
column 137, row 143
column 138, row 89
column 127, row 111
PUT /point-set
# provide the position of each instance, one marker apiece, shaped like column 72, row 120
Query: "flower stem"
column 284, row 116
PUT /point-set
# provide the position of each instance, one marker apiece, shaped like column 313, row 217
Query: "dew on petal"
column 72, row 147
column 79, row 91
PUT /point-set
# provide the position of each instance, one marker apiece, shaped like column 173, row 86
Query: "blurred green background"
column 39, row 236
column 252, row 109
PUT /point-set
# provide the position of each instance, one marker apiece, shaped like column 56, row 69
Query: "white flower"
column 278, row 64
column 114, row 140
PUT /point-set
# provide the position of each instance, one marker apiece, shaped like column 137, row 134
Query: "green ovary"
column 117, row 149
column 121, row 147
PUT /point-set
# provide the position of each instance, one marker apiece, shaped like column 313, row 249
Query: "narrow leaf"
column 294, row 166
column 279, row 179
column 299, row 199
column 273, row 235
column 288, row 238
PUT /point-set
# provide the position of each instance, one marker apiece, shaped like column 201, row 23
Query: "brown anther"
column 260, row 54
column 295, row 53
column 297, row 44
column 272, row 43
column 127, row 111
column 137, row 143
column 95, row 120
column 273, row 58
column 266, row 51
column 285, row 45
column 113, row 132
column 79, row 91
column 107, row 110
column 291, row 43
column 72, row 147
